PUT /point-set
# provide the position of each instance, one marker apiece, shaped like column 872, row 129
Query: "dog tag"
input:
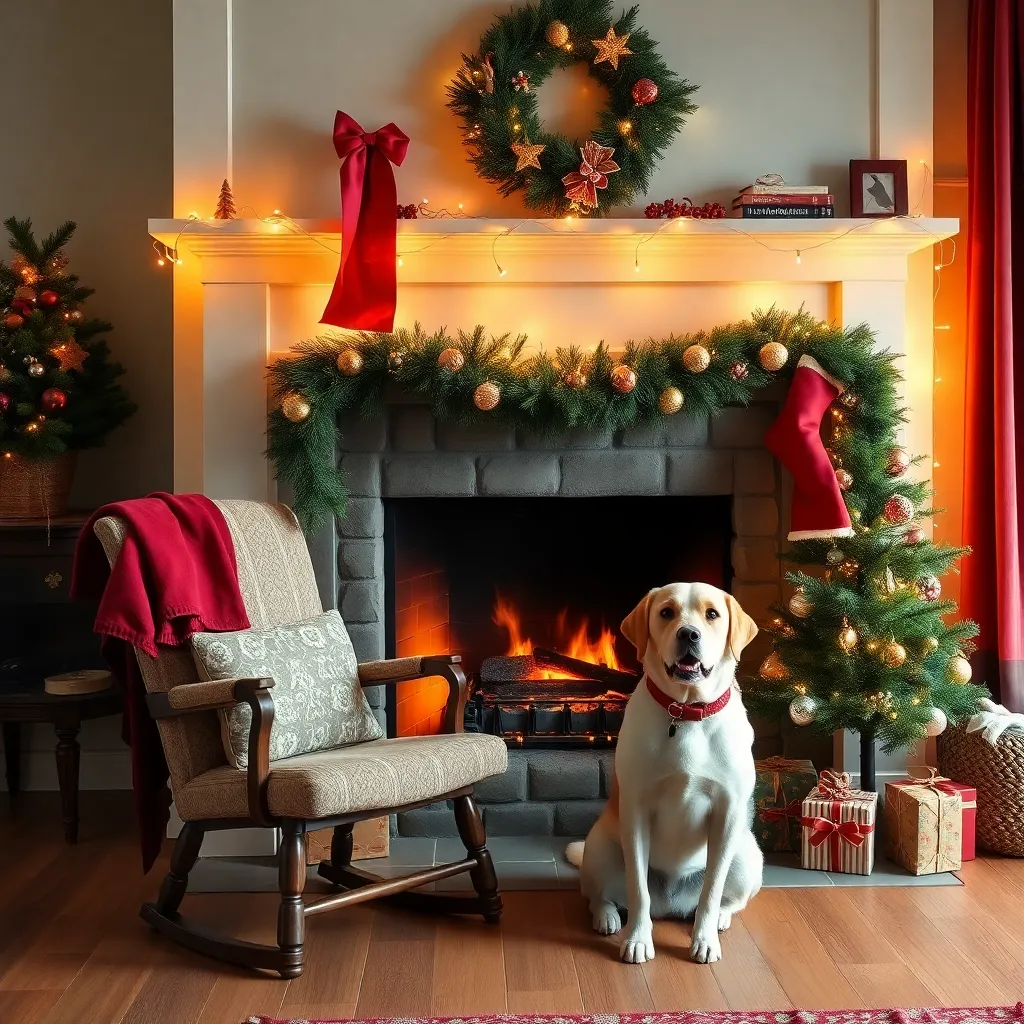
column 672, row 729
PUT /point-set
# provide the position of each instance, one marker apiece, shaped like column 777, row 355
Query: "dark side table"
column 66, row 715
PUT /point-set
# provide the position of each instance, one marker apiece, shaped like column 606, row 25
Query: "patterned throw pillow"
column 318, row 702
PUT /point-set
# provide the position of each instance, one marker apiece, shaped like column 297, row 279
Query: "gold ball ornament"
column 451, row 359
column 930, row 645
column 575, row 379
column 844, row 478
column 773, row 668
column 848, row 400
column 848, row 568
column 670, row 401
column 834, row 556
column 36, row 369
column 295, row 407
column 800, row 605
column 898, row 510
column 557, row 33
column 848, row 638
column 350, row 361
column 782, row 627
column 802, row 710
column 959, row 670
column 892, row 654
column 696, row 358
column 486, row 396
column 937, row 723
column 623, row 378
column 773, row 356
column 897, row 462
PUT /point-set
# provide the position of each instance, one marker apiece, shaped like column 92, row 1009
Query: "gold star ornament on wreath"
column 502, row 131
column 611, row 48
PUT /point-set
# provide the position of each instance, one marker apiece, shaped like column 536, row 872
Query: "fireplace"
column 530, row 592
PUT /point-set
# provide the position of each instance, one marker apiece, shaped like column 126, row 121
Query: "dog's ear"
column 636, row 626
column 742, row 628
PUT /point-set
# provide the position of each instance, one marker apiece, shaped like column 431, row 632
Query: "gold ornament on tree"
column 696, row 358
column 849, row 400
column 802, row 710
column 295, row 407
column 350, row 361
column 575, row 379
column 451, row 359
column 930, row 645
column 670, row 401
column 897, row 462
column 848, row 568
column 848, row 638
column 526, row 154
column 959, row 670
column 800, row 605
column 486, row 396
column 557, row 33
column 611, row 48
column 773, row 356
column 892, row 654
column 773, row 668
column 834, row 556
column 782, row 627
column 623, row 378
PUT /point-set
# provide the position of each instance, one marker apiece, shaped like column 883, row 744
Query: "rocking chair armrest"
column 211, row 695
column 399, row 670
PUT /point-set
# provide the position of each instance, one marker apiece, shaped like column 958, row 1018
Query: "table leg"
column 68, row 756
column 12, row 756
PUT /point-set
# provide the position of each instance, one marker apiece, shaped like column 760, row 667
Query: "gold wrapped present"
column 923, row 822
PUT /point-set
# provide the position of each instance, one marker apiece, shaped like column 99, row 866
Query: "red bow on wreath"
column 582, row 185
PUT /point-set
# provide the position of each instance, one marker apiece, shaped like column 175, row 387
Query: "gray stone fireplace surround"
column 406, row 453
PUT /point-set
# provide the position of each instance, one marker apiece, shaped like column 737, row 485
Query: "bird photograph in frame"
column 878, row 188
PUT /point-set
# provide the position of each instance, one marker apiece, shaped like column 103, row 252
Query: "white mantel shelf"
column 464, row 251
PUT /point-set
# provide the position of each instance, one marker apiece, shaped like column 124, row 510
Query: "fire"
column 574, row 643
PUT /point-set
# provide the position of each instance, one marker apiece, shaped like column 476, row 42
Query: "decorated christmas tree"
column 865, row 642
column 58, row 386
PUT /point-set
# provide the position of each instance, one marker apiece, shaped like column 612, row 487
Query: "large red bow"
column 364, row 290
column 852, row 832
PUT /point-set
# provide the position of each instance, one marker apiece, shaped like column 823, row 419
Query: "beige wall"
column 87, row 89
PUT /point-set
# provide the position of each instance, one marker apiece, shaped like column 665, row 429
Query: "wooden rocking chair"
column 331, row 788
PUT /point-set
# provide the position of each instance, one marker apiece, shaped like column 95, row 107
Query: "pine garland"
column 494, row 121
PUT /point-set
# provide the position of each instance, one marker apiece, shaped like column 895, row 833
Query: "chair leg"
column 485, row 881
column 183, row 859
column 291, row 873
column 341, row 846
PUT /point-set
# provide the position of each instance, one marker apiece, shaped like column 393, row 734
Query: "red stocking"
column 819, row 510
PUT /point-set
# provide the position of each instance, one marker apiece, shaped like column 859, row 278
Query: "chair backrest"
column 275, row 576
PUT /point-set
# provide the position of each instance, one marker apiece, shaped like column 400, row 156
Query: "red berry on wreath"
column 411, row 212
column 644, row 92
column 739, row 370
column 653, row 211
column 53, row 400
column 5, row 401
column 48, row 298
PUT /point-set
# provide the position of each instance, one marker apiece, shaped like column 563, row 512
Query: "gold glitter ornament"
column 451, row 359
column 350, row 361
column 670, row 401
column 557, row 33
column 696, row 358
column 800, row 605
column 959, row 670
column 486, row 396
column 930, row 645
column 892, row 654
column 848, row 568
column 773, row 669
column 773, row 356
column 848, row 638
column 575, row 379
column 782, row 627
column 897, row 462
column 623, row 378
column 802, row 710
column 295, row 407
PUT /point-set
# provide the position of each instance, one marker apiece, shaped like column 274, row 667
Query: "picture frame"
column 878, row 188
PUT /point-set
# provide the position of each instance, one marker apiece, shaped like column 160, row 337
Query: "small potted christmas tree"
column 58, row 386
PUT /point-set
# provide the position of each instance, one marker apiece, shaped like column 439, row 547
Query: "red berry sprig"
column 671, row 209
column 409, row 212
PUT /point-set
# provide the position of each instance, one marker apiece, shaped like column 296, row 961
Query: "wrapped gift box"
column 969, row 819
column 923, row 825
column 779, row 791
column 370, row 839
column 837, row 826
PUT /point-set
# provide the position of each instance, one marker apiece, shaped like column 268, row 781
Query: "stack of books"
column 761, row 201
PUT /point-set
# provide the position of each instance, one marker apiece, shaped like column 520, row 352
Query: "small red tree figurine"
column 225, row 203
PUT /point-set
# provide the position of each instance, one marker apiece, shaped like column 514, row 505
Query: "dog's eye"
column 711, row 614
column 668, row 613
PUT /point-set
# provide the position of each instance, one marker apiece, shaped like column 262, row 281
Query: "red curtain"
column 993, row 578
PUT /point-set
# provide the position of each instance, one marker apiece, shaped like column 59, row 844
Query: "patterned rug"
column 958, row 1015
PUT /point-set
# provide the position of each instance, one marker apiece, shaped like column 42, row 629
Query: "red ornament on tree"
column 914, row 535
column 13, row 321
column 53, row 400
column 48, row 298
column 899, row 510
column 645, row 92
column 5, row 401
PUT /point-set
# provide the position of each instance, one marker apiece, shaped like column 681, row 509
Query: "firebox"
column 530, row 592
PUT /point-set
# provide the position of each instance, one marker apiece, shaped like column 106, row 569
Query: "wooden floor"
column 73, row 951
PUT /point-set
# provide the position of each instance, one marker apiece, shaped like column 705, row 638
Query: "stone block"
column 361, row 475
column 742, row 426
column 680, row 431
column 529, row 441
column 757, row 599
column 700, row 472
column 563, row 775
column 519, row 819
column 507, row 788
column 359, row 435
column 480, row 437
column 606, row 759
column 576, row 817
column 754, row 473
column 434, row 475
column 362, row 600
column 412, row 428
column 755, row 516
column 367, row 640
column 620, row 472
column 364, row 517
column 360, row 559
column 518, row 474
column 428, row 821
column 755, row 558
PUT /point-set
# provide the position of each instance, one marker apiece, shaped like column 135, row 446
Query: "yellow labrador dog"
column 675, row 837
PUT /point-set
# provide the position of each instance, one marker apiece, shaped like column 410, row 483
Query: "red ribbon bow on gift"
column 852, row 832
column 791, row 810
column 834, row 785
column 364, row 291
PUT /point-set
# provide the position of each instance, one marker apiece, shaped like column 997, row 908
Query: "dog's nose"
column 688, row 635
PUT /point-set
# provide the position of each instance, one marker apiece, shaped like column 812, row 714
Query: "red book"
column 782, row 199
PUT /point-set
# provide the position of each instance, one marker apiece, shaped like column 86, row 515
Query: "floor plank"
column 398, row 978
column 479, row 990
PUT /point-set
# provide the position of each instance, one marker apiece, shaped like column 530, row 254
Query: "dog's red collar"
column 686, row 712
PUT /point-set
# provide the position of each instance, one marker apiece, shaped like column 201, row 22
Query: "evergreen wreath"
column 494, row 96
column 891, row 599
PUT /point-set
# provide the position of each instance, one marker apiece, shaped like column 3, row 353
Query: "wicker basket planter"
column 35, row 489
column 998, row 774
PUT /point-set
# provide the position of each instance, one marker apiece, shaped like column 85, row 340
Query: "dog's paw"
column 638, row 947
column 724, row 920
column 705, row 948
column 607, row 920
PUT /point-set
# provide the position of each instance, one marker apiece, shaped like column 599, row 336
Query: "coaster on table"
column 86, row 680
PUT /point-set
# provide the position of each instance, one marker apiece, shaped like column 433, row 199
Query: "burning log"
column 612, row 678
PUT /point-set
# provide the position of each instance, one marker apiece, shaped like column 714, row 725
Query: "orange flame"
column 575, row 643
